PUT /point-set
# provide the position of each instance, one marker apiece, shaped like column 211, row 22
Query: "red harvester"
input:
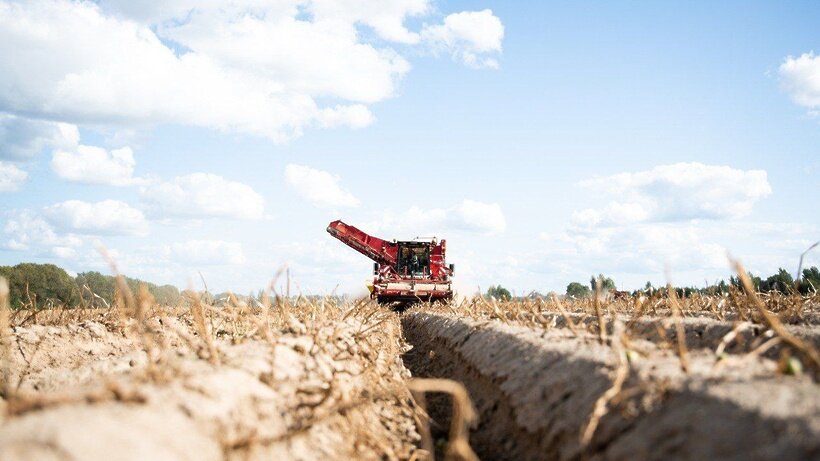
column 403, row 271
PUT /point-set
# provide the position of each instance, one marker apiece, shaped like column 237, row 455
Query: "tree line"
column 44, row 285
column 781, row 281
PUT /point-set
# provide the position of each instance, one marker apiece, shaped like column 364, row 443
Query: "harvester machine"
column 404, row 271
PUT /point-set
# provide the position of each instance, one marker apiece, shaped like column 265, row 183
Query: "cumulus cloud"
column 22, row 138
column 321, row 254
column 677, row 192
column 800, row 77
column 469, row 216
column 11, row 177
column 479, row 217
column 202, row 195
column 207, row 252
column 645, row 247
column 95, row 165
column 694, row 252
column 318, row 187
column 684, row 217
column 322, row 264
column 26, row 230
column 385, row 17
column 247, row 66
column 64, row 252
column 108, row 217
column 468, row 36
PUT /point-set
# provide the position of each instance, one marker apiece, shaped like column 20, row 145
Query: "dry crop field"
column 706, row 377
column 285, row 380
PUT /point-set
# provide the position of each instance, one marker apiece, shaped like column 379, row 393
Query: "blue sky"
column 545, row 142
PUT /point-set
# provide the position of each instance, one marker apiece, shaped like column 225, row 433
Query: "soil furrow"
column 535, row 392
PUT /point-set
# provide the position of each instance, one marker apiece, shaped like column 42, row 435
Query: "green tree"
column 165, row 294
column 607, row 284
column 44, row 283
column 105, row 286
column 95, row 283
column 39, row 284
column 810, row 281
column 578, row 290
column 782, row 281
column 498, row 292
column 756, row 281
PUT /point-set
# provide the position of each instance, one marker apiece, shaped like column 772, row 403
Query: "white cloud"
column 684, row 217
column 22, row 138
column 467, row 36
column 207, row 252
column 64, row 252
column 26, row 230
column 695, row 253
column 11, row 177
column 480, row 217
column 469, row 216
column 323, row 263
column 245, row 66
column 645, row 247
column 318, row 187
column 109, row 217
column 354, row 116
column 677, row 192
column 95, row 165
column 800, row 77
column 323, row 254
column 239, row 72
column 385, row 17
column 202, row 195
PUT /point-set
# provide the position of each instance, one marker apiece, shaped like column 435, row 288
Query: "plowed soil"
column 536, row 390
column 321, row 390
column 330, row 381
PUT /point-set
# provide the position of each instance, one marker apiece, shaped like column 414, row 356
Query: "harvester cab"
column 404, row 271
column 414, row 259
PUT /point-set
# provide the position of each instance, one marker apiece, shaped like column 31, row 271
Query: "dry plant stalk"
column 142, row 304
column 423, row 423
column 535, row 310
column 464, row 415
column 572, row 327
column 638, row 312
column 28, row 361
column 728, row 338
column 599, row 313
column 771, row 342
column 202, row 330
column 122, row 294
column 683, row 354
column 774, row 322
column 600, row 409
column 110, row 391
column 5, row 340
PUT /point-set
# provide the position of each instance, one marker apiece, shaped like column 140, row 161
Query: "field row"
column 558, row 392
column 308, row 382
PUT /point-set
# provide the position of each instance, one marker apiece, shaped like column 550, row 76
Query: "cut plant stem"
column 679, row 330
